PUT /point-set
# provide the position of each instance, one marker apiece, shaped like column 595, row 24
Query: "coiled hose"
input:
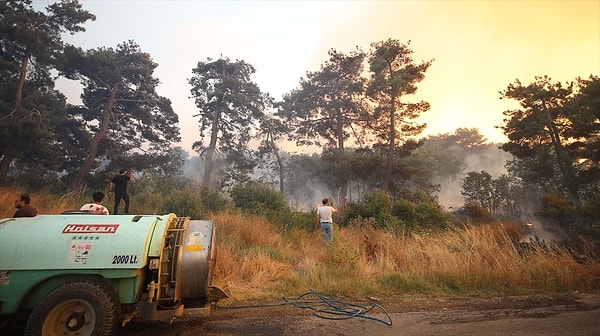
column 327, row 308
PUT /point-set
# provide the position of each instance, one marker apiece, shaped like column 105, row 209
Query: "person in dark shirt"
column 119, row 185
column 23, row 207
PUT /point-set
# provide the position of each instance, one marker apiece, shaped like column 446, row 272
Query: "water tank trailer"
column 84, row 274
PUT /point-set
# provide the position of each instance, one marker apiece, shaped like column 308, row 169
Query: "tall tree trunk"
column 101, row 134
column 563, row 160
column 9, row 153
column 22, row 77
column 214, row 134
column 279, row 162
column 391, row 146
column 343, row 196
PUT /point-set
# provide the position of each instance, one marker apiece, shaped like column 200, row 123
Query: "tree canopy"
column 554, row 134
column 394, row 75
column 328, row 107
column 229, row 104
column 30, row 46
column 121, row 110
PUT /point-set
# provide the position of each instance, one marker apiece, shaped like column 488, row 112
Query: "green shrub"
column 406, row 211
column 149, row 192
column 375, row 205
column 185, row 204
column 212, row 199
column 257, row 198
column 432, row 216
column 423, row 213
column 557, row 209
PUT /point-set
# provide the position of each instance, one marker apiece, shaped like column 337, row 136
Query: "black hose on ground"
column 327, row 308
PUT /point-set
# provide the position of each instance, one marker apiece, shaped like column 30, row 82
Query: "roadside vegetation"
column 274, row 253
column 257, row 260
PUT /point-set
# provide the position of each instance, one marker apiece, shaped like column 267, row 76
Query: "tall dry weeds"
column 43, row 202
column 257, row 261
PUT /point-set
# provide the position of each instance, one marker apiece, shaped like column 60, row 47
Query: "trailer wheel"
column 78, row 308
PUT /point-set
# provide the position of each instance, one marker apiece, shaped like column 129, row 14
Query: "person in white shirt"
column 96, row 207
column 325, row 221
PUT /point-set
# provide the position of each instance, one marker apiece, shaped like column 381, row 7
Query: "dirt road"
column 542, row 316
column 535, row 315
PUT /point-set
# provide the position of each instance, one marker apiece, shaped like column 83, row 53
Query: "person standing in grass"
column 119, row 183
column 325, row 221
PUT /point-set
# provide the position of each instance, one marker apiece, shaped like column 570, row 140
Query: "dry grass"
column 44, row 202
column 47, row 203
column 256, row 261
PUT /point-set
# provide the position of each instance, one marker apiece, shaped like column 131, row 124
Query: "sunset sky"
column 478, row 47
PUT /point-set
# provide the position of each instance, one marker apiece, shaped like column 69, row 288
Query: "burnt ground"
column 532, row 315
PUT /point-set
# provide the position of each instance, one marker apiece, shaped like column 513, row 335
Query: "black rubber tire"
column 85, row 308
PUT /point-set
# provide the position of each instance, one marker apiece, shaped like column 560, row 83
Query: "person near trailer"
column 96, row 206
column 119, row 185
column 23, row 207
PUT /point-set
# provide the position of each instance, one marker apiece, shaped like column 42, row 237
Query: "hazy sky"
column 478, row 47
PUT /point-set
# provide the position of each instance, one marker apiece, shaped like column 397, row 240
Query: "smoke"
column 540, row 231
column 489, row 158
column 537, row 232
column 193, row 168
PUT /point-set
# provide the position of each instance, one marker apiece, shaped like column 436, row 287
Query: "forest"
column 358, row 109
